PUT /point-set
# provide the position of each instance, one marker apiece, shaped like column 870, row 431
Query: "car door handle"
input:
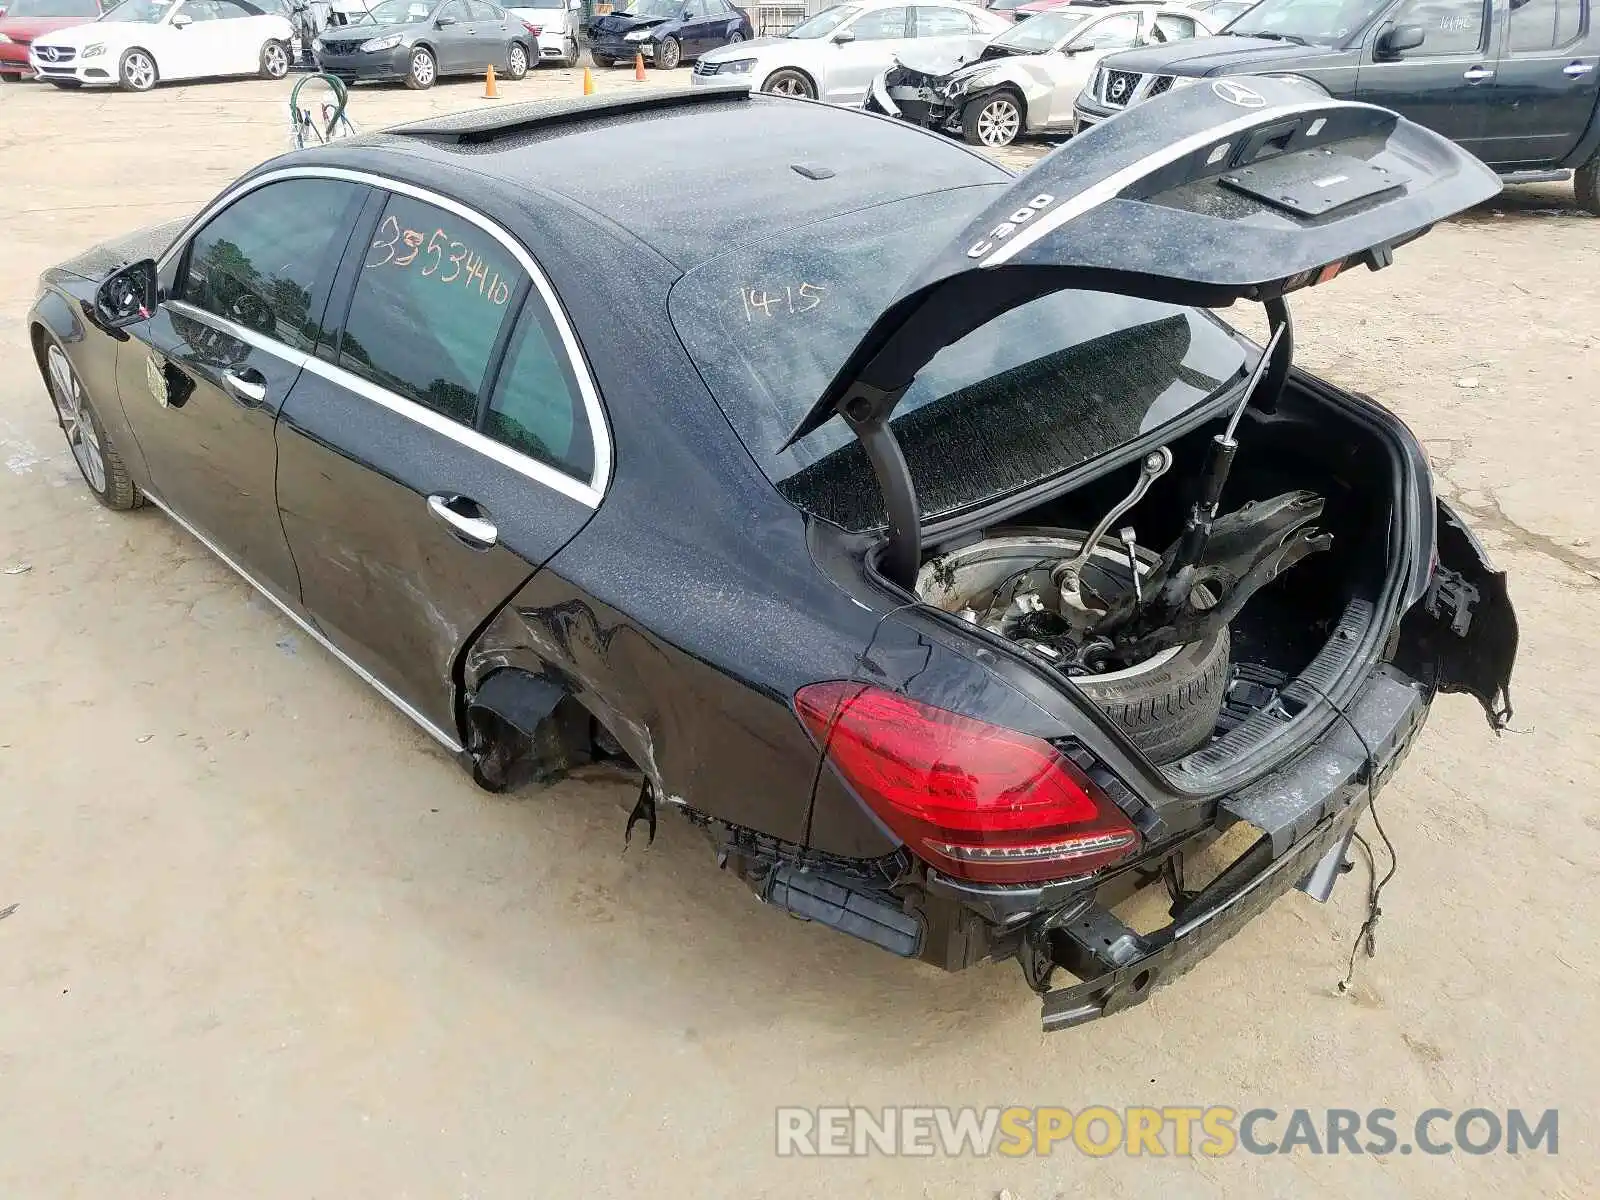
column 470, row 526
column 1477, row 74
column 250, row 385
column 1576, row 70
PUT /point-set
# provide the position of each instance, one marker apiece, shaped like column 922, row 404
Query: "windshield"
column 824, row 23
column 399, row 12
column 1041, row 32
column 1318, row 22
column 1036, row 391
column 654, row 8
column 53, row 8
column 141, row 12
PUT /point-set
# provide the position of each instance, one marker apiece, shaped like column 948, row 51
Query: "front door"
column 1447, row 83
column 203, row 380
column 437, row 450
column 1546, row 85
column 453, row 41
column 851, row 65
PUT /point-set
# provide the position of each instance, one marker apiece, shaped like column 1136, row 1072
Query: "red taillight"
column 974, row 800
column 536, row 30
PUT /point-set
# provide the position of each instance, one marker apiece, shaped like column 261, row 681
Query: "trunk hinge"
column 866, row 410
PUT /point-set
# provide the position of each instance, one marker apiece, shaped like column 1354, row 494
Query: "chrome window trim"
column 260, row 341
column 311, row 631
column 588, row 492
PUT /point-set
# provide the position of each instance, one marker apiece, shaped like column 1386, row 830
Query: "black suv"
column 1514, row 81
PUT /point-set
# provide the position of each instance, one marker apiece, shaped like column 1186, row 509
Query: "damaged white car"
column 1026, row 78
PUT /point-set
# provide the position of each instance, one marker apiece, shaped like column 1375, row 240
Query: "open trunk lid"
column 1226, row 191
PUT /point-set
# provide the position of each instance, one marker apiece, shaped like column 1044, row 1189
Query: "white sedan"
column 142, row 42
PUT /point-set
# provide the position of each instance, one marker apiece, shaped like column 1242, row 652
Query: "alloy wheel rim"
column 735, row 38
column 422, row 68
column 519, row 60
column 669, row 54
column 141, row 71
column 277, row 61
column 81, row 437
column 789, row 86
column 997, row 124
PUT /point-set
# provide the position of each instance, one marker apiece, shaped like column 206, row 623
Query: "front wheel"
column 517, row 61
column 1586, row 183
column 993, row 121
column 669, row 53
column 424, row 70
column 274, row 60
column 138, row 71
column 789, row 83
column 96, row 455
column 571, row 59
column 604, row 60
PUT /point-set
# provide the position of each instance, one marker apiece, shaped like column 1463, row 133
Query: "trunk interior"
column 1311, row 619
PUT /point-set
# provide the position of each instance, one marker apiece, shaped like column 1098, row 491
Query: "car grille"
column 1120, row 86
column 50, row 55
column 702, row 67
column 1161, row 83
column 340, row 47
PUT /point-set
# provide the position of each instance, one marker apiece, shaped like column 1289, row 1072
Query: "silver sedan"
column 835, row 55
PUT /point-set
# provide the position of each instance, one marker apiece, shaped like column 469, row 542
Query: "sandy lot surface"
column 269, row 942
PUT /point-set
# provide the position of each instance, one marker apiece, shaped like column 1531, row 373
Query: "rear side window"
column 433, row 298
column 265, row 262
column 1545, row 24
column 536, row 408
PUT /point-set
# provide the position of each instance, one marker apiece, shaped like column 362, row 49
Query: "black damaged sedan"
column 914, row 531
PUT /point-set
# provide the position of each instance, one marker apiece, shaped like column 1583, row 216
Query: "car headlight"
column 388, row 42
column 1180, row 81
column 4, row 40
column 739, row 66
column 638, row 35
column 93, row 50
column 960, row 87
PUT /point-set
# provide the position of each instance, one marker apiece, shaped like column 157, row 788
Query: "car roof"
column 689, row 173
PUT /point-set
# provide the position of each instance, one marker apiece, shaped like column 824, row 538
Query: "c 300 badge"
column 155, row 376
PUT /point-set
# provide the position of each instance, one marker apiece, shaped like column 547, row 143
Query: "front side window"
column 881, row 25
column 1448, row 26
column 537, row 408
column 429, row 305
column 266, row 261
column 1170, row 27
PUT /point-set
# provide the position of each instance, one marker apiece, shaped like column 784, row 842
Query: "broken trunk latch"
column 1450, row 595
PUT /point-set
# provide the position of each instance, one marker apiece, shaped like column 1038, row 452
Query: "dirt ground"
column 269, row 941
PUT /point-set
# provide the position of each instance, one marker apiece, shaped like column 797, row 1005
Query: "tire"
column 7, row 77
column 992, row 121
column 274, row 60
column 735, row 38
column 1169, row 705
column 68, row 85
column 604, row 60
column 669, row 53
column 424, row 70
column 788, row 82
column 92, row 449
column 516, row 61
column 571, row 60
column 1586, row 184
column 137, row 71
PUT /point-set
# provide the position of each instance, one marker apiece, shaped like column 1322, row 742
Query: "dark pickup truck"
column 1516, row 82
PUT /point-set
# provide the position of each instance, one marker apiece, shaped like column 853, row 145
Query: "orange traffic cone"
column 638, row 66
column 588, row 82
column 488, row 84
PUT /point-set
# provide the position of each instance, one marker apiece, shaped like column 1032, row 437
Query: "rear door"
column 443, row 443
column 1447, row 83
column 243, row 300
column 1546, row 86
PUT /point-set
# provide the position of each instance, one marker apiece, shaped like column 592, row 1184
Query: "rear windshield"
column 1037, row 391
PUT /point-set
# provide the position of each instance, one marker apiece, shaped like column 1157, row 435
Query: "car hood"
column 789, row 48
column 362, row 33
column 1220, row 55
column 933, row 62
column 25, row 29
column 623, row 23
column 150, row 242
column 78, row 36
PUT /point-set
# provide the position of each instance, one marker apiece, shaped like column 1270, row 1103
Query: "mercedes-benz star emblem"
column 1237, row 93
column 49, row 53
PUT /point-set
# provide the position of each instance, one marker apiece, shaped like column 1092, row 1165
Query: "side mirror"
column 843, row 36
column 127, row 296
column 1392, row 42
column 441, row 22
column 182, row 21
